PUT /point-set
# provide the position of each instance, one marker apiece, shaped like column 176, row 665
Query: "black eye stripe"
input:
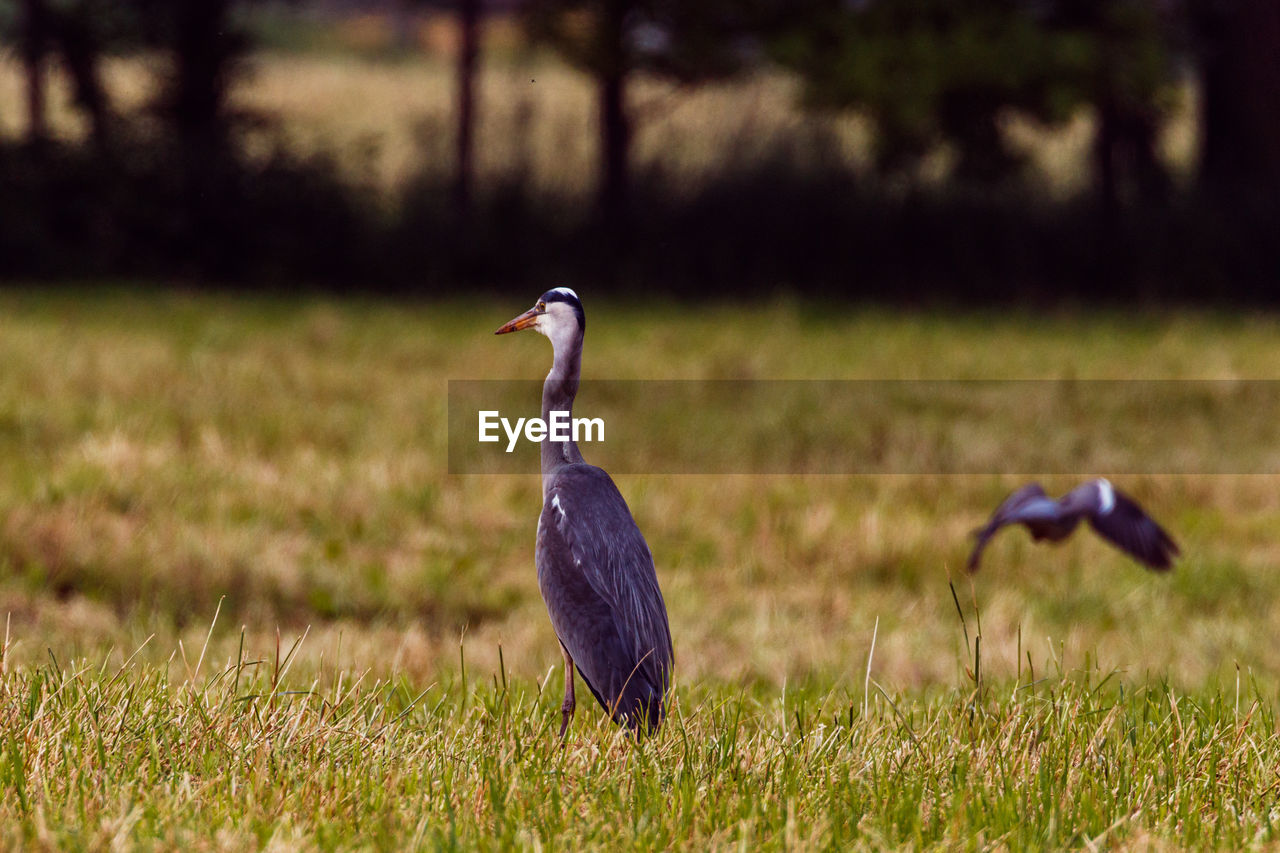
column 557, row 296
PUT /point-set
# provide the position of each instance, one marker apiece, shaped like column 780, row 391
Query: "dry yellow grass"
column 388, row 121
column 163, row 452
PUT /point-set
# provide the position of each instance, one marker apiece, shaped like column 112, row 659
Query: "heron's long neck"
column 557, row 396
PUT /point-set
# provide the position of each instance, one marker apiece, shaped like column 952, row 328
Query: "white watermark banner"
column 876, row 426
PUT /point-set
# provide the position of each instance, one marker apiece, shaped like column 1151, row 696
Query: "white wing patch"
column 1107, row 495
column 564, row 516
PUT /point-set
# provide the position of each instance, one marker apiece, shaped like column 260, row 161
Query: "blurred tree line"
column 171, row 191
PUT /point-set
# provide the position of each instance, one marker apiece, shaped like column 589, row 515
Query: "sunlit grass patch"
column 249, row 751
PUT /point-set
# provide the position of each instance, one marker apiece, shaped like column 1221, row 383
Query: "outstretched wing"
column 1128, row 526
column 1028, row 503
column 597, row 577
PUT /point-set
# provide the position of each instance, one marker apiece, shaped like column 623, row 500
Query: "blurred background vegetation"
column 951, row 150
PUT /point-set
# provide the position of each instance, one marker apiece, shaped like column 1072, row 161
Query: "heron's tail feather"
column 641, row 703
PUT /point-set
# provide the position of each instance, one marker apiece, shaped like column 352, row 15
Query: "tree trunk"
column 468, row 50
column 203, row 44
column 1240, row 75
column 615, row 122
column 34, row 26
column 1106, row 139
column 203, row 52
column 81, row 53
column 402, row 29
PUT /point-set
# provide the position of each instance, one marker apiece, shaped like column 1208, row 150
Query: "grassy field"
column 246, row 606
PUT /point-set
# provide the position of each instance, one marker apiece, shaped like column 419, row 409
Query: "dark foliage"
column 290, row 222
column 613, row 39
column 70, row 212
column 935, row 73
column 1235, row 43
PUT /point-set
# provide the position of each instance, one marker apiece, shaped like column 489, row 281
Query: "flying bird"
column 595, row 570
column 1117, row 517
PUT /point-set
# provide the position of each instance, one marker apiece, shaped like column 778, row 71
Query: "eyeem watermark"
column 1029, row 427
column 560, row 426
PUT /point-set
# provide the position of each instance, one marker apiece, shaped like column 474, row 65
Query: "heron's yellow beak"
column 524, row 321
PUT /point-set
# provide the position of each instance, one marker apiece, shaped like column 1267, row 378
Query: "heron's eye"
column 542, row 306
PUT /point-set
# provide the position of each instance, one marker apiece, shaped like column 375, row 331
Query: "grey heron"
column 1116, row 516
column 595, row 570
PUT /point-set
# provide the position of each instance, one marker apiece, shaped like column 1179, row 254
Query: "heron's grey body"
column 598, row 580
column 1116, row 516
column 595, row 570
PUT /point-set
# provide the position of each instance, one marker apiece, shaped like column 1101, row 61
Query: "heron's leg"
column 566, row 710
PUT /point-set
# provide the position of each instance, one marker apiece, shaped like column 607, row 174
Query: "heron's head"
column 557, row 314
